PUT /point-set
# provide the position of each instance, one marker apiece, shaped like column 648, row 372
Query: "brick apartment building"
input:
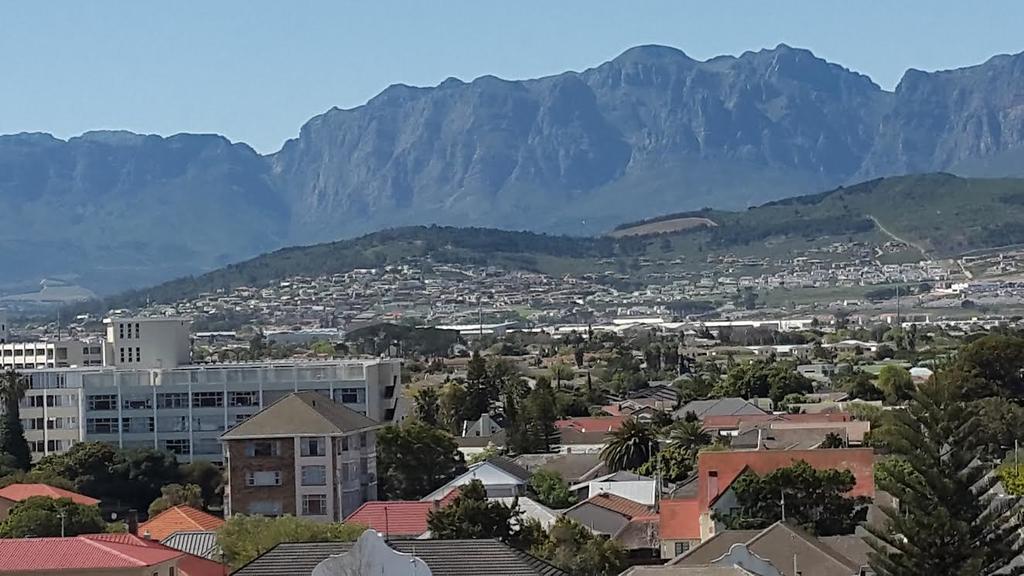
column 303, row 455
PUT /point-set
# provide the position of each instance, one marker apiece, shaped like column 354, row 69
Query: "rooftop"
column 301, row 413
column 81, row 553
column 179, row 519
column 19, row 492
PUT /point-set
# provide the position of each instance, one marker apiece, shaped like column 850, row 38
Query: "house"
column 779, row 550
column 574, row 441
column 768, row 438
column 678, row 526
column 730, row 424
column 622, row 483
column 302, row 455
column 179, row 519
column 602, row 424
column 716, row 471
column 201, row 543
column 399, row 518
column 501, row 477
column 573, row 468
column 371, row 554
column 718, row 407
column 14, row 493
column 479, row 435
column 632, row 524
column 482, row 427
column 100, row 554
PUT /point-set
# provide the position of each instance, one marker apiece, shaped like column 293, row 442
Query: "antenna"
column 387, row 530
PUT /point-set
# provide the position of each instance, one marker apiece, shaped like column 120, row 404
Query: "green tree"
column 243, row 538
column 630, row 446
column 671, row 464
column 579, row 552
column 561, row 372
column 471, row 516
column 832, row 440
column 479, row 392
column 948, row 521
column 415, row 460
column 176, row 495
column 696, row 386
column 12, row 434
column 427, row 403
column 90, row 466
column 322, row 348
column 208, row 477
column 40, row 516
column 763, row 379
column 992, row 365
column 452, row 406
column 540, row 413
column 689, row 436
column 551, row 490
column 859, row 385
column 814, row 499
column 895, row 383
column 141, row 473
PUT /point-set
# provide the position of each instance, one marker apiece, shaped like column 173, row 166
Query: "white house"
column 501, row 477
column 625, row 484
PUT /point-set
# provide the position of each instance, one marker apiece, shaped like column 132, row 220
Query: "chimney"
column 133, row 522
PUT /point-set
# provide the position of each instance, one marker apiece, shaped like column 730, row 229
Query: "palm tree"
column 428, row 405
column 630, row 446
column 689, row 436
column 12, row 434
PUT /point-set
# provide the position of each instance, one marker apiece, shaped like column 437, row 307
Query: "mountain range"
column 649, row 132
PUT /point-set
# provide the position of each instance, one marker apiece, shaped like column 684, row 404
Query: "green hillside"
column 939, row 215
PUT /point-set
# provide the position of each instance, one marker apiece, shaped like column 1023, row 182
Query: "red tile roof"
column 734, row 421
column 179, row 519
column 592, row 423
column 19, row 492
column 80, row 553
column 395, row 517
column 716, row 471
column 188, row 564
column 616, row 503
column 680, row 519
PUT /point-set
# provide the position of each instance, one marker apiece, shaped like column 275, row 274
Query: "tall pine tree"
column 12, row 434
column 948, row 520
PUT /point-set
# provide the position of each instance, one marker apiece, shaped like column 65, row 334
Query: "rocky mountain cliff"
column 652, row 131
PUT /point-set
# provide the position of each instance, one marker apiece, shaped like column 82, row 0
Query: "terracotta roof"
column 394, row 518
column 179, row 519
column 680, row 519
column 718, row 470
column 592, row 423
column 19, row 492
column 615, row 503
column 80, row 553
column 301, row 413
column 188, row 564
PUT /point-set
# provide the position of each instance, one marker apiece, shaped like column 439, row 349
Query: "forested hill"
column 939, row 214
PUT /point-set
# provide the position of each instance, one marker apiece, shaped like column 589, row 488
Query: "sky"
column 256, row 70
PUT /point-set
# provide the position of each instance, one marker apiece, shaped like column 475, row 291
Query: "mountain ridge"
column 648, row 132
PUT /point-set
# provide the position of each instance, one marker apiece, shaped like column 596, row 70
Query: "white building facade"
column 183, row 408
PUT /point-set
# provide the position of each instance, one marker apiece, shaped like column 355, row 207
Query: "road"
column 888, row 233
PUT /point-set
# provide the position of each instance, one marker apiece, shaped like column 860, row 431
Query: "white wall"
column 162, row 342
column 641, row 491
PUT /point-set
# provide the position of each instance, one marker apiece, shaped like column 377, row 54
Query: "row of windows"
column 59, row 423
column 51, row 401
column 125, row 330
column 176, row 400
column 138, row 355
column 50, row 445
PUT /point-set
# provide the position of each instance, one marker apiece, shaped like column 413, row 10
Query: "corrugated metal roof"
column 444, row 557
column 202, row 543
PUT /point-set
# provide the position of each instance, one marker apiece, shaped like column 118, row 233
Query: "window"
column 264, row 478
column 122, row 355
column 344, row 442
column 172, row 400
column 138, row 354
column 682, row 547
column 54, row 445
column 313, row 446
column 138, row 403
column 350, row 395
column 55, row 401
column 120, row 331
column 207, row 399
column 101, row 425
column 262, row 448
column 35, row 401
column 138, row 424
column 265, row 508
column 85, row 350
column 179, row 446
column 314, row 504
column 137, row 330
column 103, row 402
column 314, row 475
column 243, row 398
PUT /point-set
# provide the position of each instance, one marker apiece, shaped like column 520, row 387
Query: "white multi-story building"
column 154, row 401
column 5, row 332
column 50, row 354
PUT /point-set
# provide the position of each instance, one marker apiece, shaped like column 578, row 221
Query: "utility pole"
column 62, row 514
column 782, row 492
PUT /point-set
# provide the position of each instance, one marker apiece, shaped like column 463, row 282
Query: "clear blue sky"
column 256, row 70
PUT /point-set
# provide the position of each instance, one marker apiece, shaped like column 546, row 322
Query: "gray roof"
column 201, row 543
column 719, row 407
column 510, row 467
column 785, row 438
column 572, row 468
column 779, row 544
column 686, row 571
column 301, row 413
column 444, row 557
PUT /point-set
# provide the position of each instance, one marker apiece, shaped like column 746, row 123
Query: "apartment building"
column 154, row 401
column 303, row 456
column 5, row 332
